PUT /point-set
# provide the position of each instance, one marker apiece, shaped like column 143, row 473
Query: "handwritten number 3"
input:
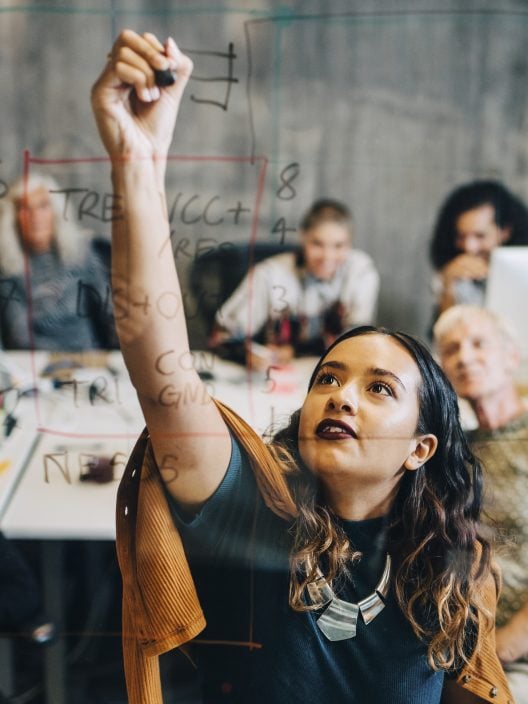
column 278, row 293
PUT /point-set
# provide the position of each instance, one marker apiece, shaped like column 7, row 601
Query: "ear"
column 423, row 451
column 505, row 233
column 512, row 357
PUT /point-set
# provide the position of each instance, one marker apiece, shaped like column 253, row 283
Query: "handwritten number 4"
column 281, row 228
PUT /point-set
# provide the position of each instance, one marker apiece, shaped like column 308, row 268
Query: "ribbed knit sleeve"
column 161, row 610
column 483, row 675
column 141, row 671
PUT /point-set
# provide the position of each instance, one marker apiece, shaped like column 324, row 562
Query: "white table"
column 19, row 445
column 51, row 503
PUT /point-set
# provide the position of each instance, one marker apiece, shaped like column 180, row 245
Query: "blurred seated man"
column 480, row 357
column 63, row 301
column 298, row 302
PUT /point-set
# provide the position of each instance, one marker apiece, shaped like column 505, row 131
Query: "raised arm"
column 136, row 120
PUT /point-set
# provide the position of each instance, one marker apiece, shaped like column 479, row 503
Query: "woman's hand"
column 136, row 118
column 512, row 638
column 465, row 266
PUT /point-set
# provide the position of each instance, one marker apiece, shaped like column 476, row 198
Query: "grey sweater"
column 61, row 308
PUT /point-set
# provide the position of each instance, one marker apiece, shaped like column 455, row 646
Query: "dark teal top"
column 238, row 551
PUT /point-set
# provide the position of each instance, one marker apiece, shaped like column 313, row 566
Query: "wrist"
column 139, row 183
column 138, row 172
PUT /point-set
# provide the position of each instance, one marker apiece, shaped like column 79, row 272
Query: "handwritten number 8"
column 287, row 176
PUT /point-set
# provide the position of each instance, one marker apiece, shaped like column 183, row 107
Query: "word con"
column 167, row 362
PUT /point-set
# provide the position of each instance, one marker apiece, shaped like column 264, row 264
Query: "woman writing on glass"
column 342, row 563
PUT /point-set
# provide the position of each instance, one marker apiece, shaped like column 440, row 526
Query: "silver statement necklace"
column 339, row 619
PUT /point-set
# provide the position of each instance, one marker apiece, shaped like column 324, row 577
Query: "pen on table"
column 9, row 423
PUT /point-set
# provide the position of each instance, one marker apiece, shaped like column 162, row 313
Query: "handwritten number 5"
column 272, row 382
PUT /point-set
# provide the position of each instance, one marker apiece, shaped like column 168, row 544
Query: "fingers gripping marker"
column 164, row 78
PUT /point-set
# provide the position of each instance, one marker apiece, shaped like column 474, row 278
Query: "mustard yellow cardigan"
column 161, row 610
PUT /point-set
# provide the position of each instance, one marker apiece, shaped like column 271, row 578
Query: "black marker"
column 164, row 78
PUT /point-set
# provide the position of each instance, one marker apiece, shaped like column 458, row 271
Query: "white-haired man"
column 481, row 358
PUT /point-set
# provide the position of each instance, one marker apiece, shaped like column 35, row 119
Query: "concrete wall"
column 385, row 104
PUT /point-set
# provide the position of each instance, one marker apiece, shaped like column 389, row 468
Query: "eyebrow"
column 372, row 371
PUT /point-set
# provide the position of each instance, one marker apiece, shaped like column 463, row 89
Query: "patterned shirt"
column 504, row 456
column 65, row 308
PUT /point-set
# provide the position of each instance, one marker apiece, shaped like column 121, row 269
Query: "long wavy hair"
column 70, row 241
column 510, row 212
column 439, row 554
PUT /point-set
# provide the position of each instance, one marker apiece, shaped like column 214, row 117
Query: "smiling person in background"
column 61, row 304
column 344, row 562
column 475, row 219
column 480, row 356
column 299, row 302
